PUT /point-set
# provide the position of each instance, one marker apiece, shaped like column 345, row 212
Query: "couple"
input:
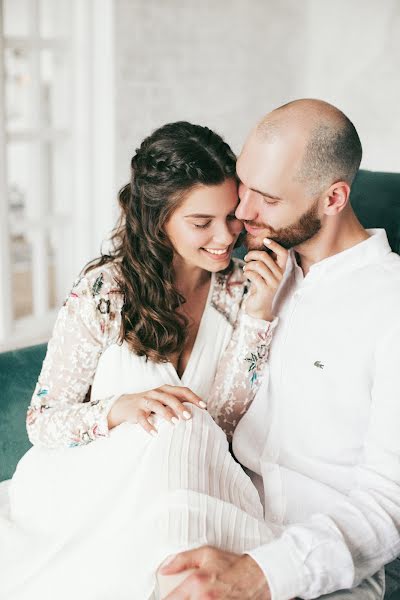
column 168, row 357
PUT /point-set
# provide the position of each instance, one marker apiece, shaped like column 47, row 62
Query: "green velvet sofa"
column 376, row 200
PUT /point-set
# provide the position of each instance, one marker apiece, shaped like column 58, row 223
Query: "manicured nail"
column 244, row 267
column 175, row 420
column 202, row 404
column 267, row 241
column 186, row 415
column 153, row 432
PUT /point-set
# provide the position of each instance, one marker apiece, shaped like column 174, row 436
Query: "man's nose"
column 247, row 207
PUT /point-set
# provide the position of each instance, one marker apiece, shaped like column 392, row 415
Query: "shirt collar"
column 369, row 251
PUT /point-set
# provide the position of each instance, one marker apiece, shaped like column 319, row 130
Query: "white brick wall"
column 220, row 63
column 224, row 63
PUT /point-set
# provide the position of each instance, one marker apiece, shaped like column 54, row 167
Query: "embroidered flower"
column 103, row 306
column 98, row 284
column 43, row 391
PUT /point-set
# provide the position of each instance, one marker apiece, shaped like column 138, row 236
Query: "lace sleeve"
column 240, row 371
column 60, row 412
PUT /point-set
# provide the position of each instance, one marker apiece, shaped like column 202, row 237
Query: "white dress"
column 91, row 513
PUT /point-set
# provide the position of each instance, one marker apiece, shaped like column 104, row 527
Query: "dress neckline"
column 198, row 336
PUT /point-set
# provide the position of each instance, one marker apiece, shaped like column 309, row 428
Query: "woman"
column 151, row 335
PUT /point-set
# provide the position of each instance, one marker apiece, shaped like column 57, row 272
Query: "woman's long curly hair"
column 169, row 163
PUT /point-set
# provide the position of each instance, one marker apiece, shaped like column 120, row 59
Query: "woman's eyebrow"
column 197, row 216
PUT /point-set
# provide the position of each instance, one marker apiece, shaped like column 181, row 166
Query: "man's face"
column 273, row 203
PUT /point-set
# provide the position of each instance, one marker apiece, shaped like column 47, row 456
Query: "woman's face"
column 204, row 229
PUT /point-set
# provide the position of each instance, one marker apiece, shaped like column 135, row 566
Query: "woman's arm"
column 60, row 414
column 240, row 371
column 241, row 368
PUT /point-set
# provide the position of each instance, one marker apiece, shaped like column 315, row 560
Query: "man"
column 321, row 440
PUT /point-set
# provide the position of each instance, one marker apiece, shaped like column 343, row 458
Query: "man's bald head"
column 327, row 138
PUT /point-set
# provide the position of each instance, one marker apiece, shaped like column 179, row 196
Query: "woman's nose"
column 224, row 236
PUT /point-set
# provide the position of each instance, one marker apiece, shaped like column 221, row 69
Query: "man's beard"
column 306, row 227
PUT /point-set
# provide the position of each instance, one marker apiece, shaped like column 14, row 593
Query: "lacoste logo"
column 318, row 364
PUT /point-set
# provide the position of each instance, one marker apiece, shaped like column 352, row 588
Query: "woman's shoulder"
column 229, row 290
column 100, row 285
column 99, row 279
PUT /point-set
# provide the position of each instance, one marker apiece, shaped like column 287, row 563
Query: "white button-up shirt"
column 321, row 440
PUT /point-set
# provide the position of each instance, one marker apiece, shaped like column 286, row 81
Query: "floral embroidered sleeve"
column 241, row 367
column 61, row 412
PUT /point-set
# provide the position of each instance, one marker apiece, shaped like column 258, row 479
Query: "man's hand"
column 219, row 575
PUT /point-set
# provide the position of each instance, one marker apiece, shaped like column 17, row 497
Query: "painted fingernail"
column 202, row 404
column 186, row 415
column 267, row 241
column 153, row 432
column 174, row 420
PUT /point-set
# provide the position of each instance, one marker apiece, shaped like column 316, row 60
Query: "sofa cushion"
column 375, row 198
column 19, row 371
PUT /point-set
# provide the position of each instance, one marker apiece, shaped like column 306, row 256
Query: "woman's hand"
column 165, row 401
column 265, row 271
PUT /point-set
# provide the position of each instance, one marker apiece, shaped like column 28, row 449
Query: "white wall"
column 353, row 61
column 224, row 63
column 221, row 63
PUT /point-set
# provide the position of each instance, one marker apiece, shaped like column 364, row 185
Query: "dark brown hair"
column 169, row 163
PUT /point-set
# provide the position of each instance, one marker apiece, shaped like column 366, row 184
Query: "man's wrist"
column 257, row 579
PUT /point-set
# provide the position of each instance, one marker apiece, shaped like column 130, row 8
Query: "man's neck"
column 332, row 239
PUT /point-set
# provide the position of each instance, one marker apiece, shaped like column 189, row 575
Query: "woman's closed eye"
column 231, row 217
column 202, row 226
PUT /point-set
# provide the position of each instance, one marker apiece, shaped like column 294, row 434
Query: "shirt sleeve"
column 240, row 370
column 61, row 413
column 337, row 550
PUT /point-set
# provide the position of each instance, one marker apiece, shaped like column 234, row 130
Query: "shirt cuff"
column 284, row 571
column 101, row 422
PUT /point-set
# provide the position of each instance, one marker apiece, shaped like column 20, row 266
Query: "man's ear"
column 337, row 198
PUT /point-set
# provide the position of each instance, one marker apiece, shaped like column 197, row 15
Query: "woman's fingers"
column 267, row 275
column 167, row 401
column 280, row 252
column 143, row 421
column 162, row 404
column 259, row 256
column 255, row 279
column 184, row 394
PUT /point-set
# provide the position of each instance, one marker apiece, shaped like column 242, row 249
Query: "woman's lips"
column 218, row 257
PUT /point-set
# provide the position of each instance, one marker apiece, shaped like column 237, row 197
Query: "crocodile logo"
column 319, row 364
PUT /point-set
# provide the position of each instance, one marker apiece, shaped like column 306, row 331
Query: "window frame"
column 90, row 51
